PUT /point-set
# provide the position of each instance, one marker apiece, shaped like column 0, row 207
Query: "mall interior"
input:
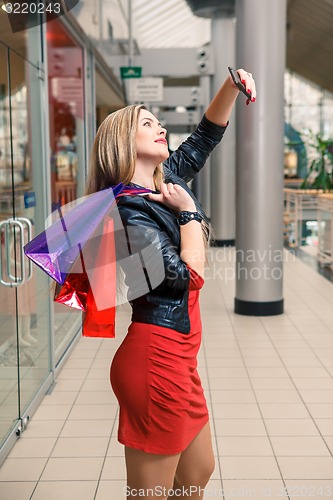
column 266, row 359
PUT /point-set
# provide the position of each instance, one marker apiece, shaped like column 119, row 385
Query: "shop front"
column 54, row 87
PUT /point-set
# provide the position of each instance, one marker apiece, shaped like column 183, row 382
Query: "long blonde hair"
column 114, row 153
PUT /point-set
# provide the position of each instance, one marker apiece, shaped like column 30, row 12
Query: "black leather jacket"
column 158, row 280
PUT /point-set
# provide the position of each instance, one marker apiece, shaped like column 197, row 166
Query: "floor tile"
column 234, row 446
column 60, row 398
column 72, row 469
column 306, row 467
column 277, row 396
column 325, row 426
column 22, row 469
column 238, row 427
column 265, row 372
column 249, row 468
column 111, row 490
column 283, row 410
column 87, row 428
column 238, row 411
column 314, row 383
column 27, row 447
column 300, row 446
column 16, row 490
column 291, row 427
column 317, row 396
column 320, row 410
column 96, row 398
column 329, row 442
column 93, row 412
column 272, row 384
column 114, row 468
column 235, row 384
column 43, row 428
column 232, row 397
column 52, row 412
column 115, row 449
column 96, row 385
column 68, row 385
column 73, row 373
column 65, row 490
column 80, row 447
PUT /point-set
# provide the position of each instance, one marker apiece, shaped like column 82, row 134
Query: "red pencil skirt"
column 154, row 377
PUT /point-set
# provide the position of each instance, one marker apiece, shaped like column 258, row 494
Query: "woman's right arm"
column 192, row 246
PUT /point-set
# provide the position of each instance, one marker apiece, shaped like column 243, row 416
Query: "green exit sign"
column 130, row 71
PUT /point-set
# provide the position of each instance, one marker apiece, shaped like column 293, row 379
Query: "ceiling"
column 171, row 23
column 168, row 23
column 310, row 40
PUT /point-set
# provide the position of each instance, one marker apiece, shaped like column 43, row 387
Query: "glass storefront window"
column 67, row 142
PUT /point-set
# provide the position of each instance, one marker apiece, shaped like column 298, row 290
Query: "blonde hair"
column 114, row 153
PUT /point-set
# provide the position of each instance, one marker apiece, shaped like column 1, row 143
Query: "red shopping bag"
column 91, row 285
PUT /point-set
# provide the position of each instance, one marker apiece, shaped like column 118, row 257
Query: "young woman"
column 163, row 419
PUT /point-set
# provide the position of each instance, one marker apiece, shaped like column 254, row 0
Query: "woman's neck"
column 144, row 179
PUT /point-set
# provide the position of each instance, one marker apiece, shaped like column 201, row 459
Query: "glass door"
column 25, row 366
column 9, row 384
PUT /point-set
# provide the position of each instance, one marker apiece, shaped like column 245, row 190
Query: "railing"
column 325, row 229
column 299, row 205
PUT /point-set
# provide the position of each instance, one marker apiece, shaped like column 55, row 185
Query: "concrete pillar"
column 261, row 42
column 223, row 157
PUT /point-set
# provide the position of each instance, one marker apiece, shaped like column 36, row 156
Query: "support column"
column 223, row 157
column 261, row 42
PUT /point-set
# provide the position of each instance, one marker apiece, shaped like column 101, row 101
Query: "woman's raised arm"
column 219, row 110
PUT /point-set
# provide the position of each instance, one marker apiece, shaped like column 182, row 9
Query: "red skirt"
column 154, row 377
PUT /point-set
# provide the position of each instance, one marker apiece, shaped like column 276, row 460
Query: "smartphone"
column 237, row 81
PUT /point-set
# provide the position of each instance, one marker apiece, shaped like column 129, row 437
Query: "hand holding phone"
column 238, row 83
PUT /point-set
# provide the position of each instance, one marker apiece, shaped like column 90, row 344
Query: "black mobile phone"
column 237, row 81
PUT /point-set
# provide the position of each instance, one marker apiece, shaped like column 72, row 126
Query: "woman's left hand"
column 249, row 83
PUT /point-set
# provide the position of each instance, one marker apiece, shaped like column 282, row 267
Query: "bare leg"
column 150, row 473
column 195, row 466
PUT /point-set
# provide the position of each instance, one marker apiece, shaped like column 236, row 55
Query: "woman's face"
column 151, row 143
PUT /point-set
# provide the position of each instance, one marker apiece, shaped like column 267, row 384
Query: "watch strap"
column 184, row 217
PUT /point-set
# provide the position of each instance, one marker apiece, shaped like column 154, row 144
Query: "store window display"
column 67, row 143
column 66, row 97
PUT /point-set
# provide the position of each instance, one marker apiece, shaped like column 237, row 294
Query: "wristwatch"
column 184, row 217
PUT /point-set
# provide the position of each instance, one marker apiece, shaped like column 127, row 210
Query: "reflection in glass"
column 66, row 106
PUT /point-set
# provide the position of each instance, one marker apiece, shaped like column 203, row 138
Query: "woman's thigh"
column 196, row 463
column 150, row 474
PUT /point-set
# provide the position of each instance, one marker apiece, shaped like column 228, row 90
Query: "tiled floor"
column 268, row 381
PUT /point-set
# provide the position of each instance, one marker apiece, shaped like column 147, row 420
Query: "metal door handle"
column 28, row 225
column 7, row 225
column 3, row 225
